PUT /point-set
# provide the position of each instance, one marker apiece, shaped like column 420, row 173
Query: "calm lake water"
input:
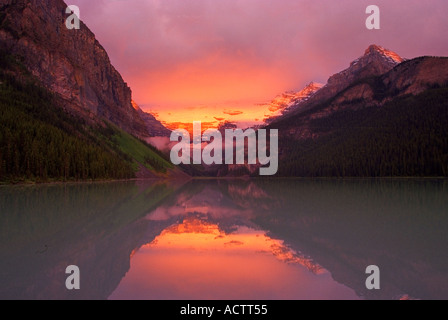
column 226, row 239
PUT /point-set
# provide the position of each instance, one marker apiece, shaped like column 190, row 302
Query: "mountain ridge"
column 375, row 124
column 288, row 101
column 155, row 127
column 67, row 114
column 371, row 80
column 375, row 61
column 70, row 63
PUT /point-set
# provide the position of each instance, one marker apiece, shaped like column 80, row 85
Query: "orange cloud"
column 189, row 126
column 181, row 54
column 233, row 113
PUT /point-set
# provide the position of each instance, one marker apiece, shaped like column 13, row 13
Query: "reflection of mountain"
column 397, row 225
column 206, row 199
column 96, row 227
column 195, row 259
column 400, row 226
column 203, row 234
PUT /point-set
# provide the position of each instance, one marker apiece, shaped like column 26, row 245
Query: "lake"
column 255, row 239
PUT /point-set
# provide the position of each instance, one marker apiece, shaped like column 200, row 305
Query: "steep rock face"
column 70, row 63
column 417, row 75
column 411, row 77
column 155, row 127
column 376, row 61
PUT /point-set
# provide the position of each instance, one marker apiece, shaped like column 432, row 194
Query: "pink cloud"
column 174, row 51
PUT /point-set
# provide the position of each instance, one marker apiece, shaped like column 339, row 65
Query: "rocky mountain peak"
column 311, row 88
column 376, row 61
column 375, row 54
column 290, row 100
column 154, row 127
column 385, row 53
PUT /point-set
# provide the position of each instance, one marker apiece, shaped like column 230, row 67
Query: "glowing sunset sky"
column 201, row 59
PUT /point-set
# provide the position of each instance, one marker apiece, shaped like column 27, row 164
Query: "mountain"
column 383, row 116
column 290, row 101
column 154, row 127
column 66, row 113
column 375, row 62
column 70, row 63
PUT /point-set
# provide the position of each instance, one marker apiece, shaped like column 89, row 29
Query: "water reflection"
column 197, row 260
column 43, row 229
column 224, row 239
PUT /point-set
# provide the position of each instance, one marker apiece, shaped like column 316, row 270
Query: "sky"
column 198, row 60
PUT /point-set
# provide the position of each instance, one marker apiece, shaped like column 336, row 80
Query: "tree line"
column 41, row 142
column 406, row 137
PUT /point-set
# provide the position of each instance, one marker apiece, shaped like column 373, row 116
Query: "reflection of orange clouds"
column 197, row 260
column 205, row 236
column 184, row 207
column 192, row 226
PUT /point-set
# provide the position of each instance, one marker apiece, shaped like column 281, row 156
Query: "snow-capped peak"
column 290, row 100
column 375, row 49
